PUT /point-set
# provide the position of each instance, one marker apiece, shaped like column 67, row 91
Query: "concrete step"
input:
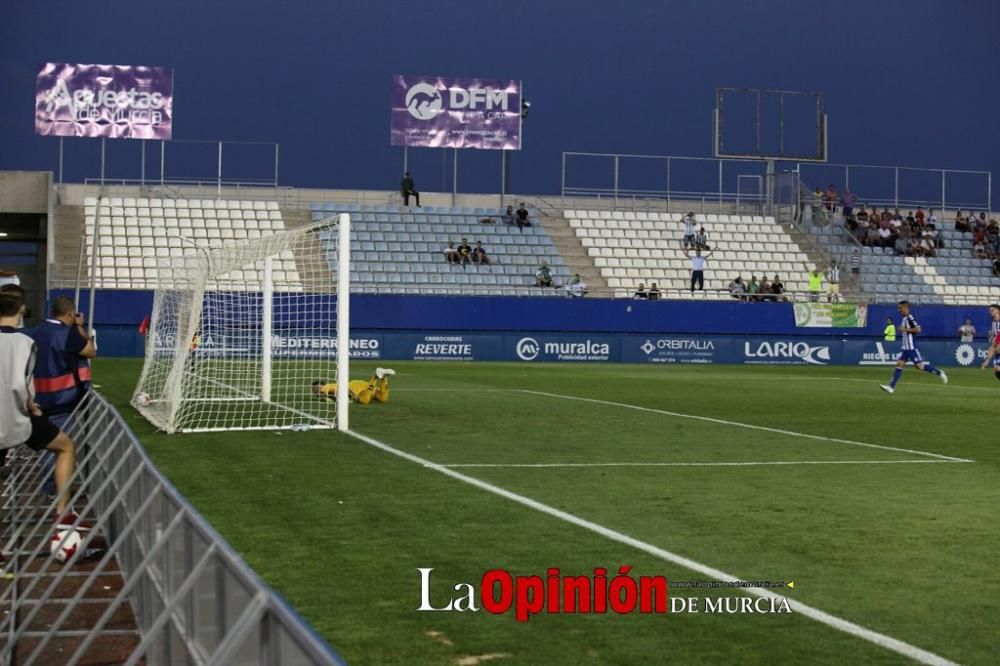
column 571, row 250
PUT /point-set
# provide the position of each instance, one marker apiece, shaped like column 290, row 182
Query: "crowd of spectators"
column 465, row 254
column 914, row 235
column 985, row 236
column 757, row 290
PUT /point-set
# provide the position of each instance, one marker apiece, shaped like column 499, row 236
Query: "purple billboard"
column 113, row 101
column 448, row 112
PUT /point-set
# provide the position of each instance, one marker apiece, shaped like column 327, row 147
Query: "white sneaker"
column 384, row 372
column 887, row 388
column 944, row 377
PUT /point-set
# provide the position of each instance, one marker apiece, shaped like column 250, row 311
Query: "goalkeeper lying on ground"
column 361, row 391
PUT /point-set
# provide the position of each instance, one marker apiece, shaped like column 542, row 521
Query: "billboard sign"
column 830, row 315
column 111, row 101
column 451, row 112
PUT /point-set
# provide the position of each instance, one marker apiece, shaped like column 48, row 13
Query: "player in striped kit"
column 908, row 330
column 991, row 353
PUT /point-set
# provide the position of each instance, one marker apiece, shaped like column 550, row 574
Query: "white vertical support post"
column 277, row 148
column 616, row 181
column 343, row 319
column 944, row 197
column 720, row 186
column 503, row 176
column 406, row 159
column 60, row 160
column 454, row 178
column 267, row 327
column 847, row 177
column 897, row 188
column 163, row 159
column 219, row 181
column 103, row 149
column 142, row 164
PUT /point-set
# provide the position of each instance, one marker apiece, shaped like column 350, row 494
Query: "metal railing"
column 219, row 149
column 717, row 184
column 193, row 599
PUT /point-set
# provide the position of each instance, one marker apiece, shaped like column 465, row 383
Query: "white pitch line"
column 711, row 464
column 748, row 426
column 882, row 640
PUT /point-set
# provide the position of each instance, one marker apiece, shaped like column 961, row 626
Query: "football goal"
column 244, row 336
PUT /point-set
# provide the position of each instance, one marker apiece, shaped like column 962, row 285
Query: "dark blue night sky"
column 906, row 82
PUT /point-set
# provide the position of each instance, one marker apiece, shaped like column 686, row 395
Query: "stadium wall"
column 506, row 329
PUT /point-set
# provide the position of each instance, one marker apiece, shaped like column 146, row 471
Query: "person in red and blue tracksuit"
column 62, row 369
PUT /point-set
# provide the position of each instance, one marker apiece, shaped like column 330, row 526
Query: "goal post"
column 251, row 334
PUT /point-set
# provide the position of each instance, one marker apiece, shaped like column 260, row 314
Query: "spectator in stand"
column 408, row 189
column 689, row 226
column 919, row 216
column 819, row 213
column 967, row 332
column 996, row 265
column 833, row 282
column 576, row 288
column 737, row 289
column 701, row 239
column 931, row 217
column 831, row 199
column 848, row 199
column 778, row 288
column 874, row 236
column 979, row 237
column 962, row 223
column 640, row 293
column 815, row 283
column 654, row 292
column 979, row 250
column 852, row 222
column 981, row 222
column 753, row 288
column 902, row 246
column 855, row 262
column 884, row 237
column 508, row 217
column 464, row 253
column 543, row 276
column 479, row 255
column 765, row 290
column 522, row 217
column 697, row 268
column 931, row 234
column 451, row 254
column 9, row 277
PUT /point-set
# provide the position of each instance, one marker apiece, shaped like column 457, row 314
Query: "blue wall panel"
column 624, row 325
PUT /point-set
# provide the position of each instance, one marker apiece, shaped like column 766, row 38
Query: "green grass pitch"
column 903, row 543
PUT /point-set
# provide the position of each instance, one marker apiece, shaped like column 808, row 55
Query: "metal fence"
column 193, row 600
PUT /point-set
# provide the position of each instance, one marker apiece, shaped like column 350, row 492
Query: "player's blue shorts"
column 911, row 356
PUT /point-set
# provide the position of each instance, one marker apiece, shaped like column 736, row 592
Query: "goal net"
column 245, row 336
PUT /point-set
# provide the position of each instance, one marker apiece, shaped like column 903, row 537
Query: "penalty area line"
column 923, row 461
column 748, row 426
column 856, row 630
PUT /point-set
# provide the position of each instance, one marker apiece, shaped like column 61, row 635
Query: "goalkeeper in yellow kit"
column 361, row 391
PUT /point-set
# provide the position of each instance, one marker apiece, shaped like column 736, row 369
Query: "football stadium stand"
column 633, row 247
column 402, row 251
column 953, row 276
column 135, row 233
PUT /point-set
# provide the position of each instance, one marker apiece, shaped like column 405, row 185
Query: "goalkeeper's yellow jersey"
column 360, row 391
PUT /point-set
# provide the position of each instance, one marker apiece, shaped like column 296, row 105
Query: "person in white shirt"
column 21, row 421
column 697, row 268
column 967, row 332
